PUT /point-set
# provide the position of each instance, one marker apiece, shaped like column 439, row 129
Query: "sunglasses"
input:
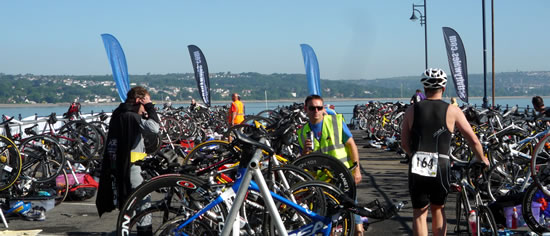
column 315, row 108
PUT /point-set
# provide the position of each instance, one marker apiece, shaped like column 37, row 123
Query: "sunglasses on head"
column 315, row 108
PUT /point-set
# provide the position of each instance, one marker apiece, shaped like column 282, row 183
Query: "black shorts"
column 434, row 190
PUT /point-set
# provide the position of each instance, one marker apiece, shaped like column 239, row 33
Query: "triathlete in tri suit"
column 426, row 136
column 236, row 112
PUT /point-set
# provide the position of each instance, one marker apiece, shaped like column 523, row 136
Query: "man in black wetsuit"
column 426, row 137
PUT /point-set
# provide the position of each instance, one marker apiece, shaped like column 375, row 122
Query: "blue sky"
column 356, row 39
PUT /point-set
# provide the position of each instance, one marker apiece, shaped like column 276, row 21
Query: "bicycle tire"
column 461, row 215
column 36, row 152
column 329, row 197
column 281, row 179
column 534, row 194
column 164, row 198
column 322, row 166
column 196, row 227
column 206, row 153
column 61, row 188
column 102, row 128
column 502, row 179
column 263, row 120
column 82, row 140
column 10, row 163
column 487, row 224
column 540, row 159
column 171, row 130
column 243, row 128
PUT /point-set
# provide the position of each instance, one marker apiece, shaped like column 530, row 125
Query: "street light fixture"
column 422, row 23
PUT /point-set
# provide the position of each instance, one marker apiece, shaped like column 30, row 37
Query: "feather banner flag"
column 312, row 70
column 457, row 62
column 118, row 65
column 201, row 73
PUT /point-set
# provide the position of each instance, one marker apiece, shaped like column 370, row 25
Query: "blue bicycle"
column 306, row 208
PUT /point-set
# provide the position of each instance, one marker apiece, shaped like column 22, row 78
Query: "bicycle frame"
column 244, row 183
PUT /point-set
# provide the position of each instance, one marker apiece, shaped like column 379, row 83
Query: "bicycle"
column 313, row 221
column 469, row 200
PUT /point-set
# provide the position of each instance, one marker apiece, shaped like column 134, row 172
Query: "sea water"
column 344, row 107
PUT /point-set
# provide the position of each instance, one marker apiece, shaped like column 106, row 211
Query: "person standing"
column 453, row 102
column 417, row 97
column 326, row 128
column 236, row 112
column 120, row 175
column 426, row 136
column 538, row 105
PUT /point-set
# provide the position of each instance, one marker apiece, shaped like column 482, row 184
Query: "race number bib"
column 424, row 163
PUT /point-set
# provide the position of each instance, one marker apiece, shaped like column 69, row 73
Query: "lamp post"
column 422, row 23
column 484, row 105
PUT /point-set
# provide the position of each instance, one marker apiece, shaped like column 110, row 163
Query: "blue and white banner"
column 118, row 65
column 457, row 62
column 312, row 70
column 201, row 73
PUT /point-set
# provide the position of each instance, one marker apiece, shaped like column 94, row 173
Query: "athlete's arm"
column 354, row 154
column 466, row 130
column 406, row 126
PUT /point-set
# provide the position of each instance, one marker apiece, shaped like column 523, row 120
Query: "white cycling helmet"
column 434, row 78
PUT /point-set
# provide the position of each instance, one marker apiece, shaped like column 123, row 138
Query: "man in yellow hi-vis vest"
column 331, row 137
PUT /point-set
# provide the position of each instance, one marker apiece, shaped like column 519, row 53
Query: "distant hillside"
column 30, row 88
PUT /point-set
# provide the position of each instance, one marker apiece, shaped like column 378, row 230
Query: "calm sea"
column 344, row 107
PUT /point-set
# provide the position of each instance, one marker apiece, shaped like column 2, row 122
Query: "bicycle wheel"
column 322, row 198
column 37, row 153
column 506, row 177
column 61, row 187
column 208, row 153
column 58, row 187
column 102, row 128
column 533, row 211
column 196, row 227
column 10, row 163
column 539, row 163
column 80, row 139
column 171, row 130
column 486, row 221
column 280, row 180
column 462, row 211
column 264, row 121
column 165, row 197
column 329, row 169
column 243, row 128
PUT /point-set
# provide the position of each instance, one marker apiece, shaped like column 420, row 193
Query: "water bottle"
column 310, row 134
column 472, row 222
column 515, row 219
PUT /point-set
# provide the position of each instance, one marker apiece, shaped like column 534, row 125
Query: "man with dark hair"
column 426, row 133
column 124, row 147
column 538, row 105
column 325, row 128
column 417, row 97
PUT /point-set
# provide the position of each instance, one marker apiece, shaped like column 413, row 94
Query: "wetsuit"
column 429, row 135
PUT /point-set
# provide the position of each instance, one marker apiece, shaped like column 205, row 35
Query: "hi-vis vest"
column 330, row 142
column 240, row 112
